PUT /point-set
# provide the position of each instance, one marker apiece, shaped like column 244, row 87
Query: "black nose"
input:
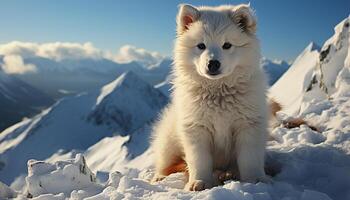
column 213, row 67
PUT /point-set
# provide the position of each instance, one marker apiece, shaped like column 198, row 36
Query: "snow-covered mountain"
column 119, row 108
column 316, row 73
column 274, row 69
column 19, row 100
column 125, row 109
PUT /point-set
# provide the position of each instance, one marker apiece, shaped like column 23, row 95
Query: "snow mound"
column 60, row 177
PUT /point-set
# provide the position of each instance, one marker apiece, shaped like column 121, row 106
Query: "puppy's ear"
column 186, row 16
column 244, row 17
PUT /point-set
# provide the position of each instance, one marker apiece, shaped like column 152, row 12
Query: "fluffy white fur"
column 215, row 122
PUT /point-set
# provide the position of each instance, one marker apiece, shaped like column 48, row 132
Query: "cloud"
column 60, row 51
column 56, row 51
column 65, row 50
column 128, row 53
column 24, row 49
column 13, row 64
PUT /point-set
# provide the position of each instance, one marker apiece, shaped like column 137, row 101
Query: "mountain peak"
column 127, row 78
column 312, row 46
column 340, row 36
column 345, row 24
column 119, row 101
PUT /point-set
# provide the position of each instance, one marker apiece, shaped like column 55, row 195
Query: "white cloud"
column 128, row 53
column 56, row 51
column 24, row 49
column 13, row 64
column 59, row 51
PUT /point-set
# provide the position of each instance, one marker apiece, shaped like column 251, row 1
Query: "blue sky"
column 285, row 27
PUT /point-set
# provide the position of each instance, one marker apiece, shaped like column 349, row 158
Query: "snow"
column 80, row 164
column 60, row 177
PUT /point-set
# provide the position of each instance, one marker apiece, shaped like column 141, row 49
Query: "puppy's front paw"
column 197, row 185
column 225, row 176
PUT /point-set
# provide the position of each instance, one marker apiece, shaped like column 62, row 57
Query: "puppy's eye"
column 227, row 45
column 201, row 46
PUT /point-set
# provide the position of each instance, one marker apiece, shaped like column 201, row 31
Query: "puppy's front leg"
column 250, row 146
column 197, row 146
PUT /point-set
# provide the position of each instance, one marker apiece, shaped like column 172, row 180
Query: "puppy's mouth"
column 213, row 73
column 213, row 76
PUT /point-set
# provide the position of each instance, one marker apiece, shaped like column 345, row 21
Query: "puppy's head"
column 213, row 41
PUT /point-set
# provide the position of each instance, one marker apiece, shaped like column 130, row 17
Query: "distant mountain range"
column 59, row 78
column 72, row 76
column 26, row 94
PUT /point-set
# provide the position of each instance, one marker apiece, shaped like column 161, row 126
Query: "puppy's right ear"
column 244, row 17
column 186, row 16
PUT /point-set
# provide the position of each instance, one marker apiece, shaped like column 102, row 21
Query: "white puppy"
column 217, row 118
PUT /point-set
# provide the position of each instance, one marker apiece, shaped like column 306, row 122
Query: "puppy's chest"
column 222, row 114
column 223, row 137
column 228, row 108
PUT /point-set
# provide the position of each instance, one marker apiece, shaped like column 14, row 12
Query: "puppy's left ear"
column 244, row 17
